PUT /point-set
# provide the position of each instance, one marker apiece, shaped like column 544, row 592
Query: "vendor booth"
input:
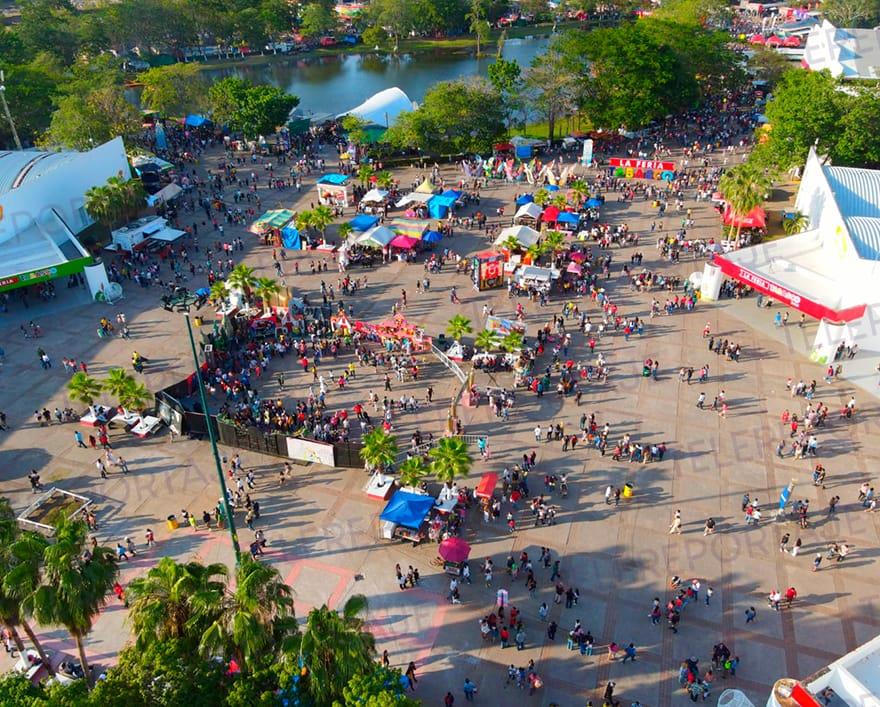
column 363, row 222
column 455, row 553
column 406, row 516
column 567, row 221
column 527, row 214
column 523, row 235
column 290, row 237
column 531, row 275
column 440, row 205
column 272, row 219
column 415, row 197
column 487, row 484
column 135, row 235
column 376, row 237
column 487, row 270
column 404, row 242
column 373, row 201
column 334, row 189
column 412, row 227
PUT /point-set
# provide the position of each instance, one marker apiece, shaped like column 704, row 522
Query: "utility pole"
column 6, row 110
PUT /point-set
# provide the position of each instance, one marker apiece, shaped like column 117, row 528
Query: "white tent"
column 530, row 210
column 382, row 108
column 167, row 193
column 167, row 234
column 415, row 197
column 374, row 196
column 379, row 236
column 525, row 235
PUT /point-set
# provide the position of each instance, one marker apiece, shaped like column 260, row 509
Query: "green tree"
column 219, row 292
column 379, row 449
column 335, row 647
column 769, row 65
column 344, row 230
column 131, row 393
column 535, row 252
column 262, row 110
column 554, row 241
column 851, row 13
column 162, row 603
column 30, row 89
column 48, row 25
column 796, row 223
column 487, row 340
column 478, row 24
column 267, row 288
column 316, row 20
column 542, row 197
column 513, row 342
column 396, row 17
column 17, row 689
column 252, row 619
column 322, row 217
column 579, row 190
column 455, row 117
column 242, row 278
column 384, row 180
column 412, row 471
column 450, row 460
column 72, row 588
column 115, row 202
column 355, row 128
column 375, row 36
column 84, row 121
column 82, row 388
column 173, row 90
column 379, row 687
column 458, row 327
column 744, row 187
column 858, row 142
column 365, row 173
column 504, row 75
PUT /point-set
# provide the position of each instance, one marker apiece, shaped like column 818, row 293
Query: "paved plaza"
column 323, row 530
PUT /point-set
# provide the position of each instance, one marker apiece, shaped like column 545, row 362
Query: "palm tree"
column 560, row 201
column 82, row 388
column 163, row 602
column 219, row 292
column 511, row 244
column 513, row 342
column 266, row 288
column 554, row 241
column 117, row 381
column 795, row 223
column 20, row 578
column 252, row 619
column 579, row 191
column 242, row 278
column 542, row 197
column 135, row 396
column 458, row 326
column 336, row 646
column 450, row 459
column 98, row 205
column 384, row 180
column 487, row 340
column 379, row 449
column 412, row 471
column 345, row 230
column 72, row 587
column 365, row 171
column 305, row 220
column 744, row 188
column 322, row 217
column 535, row 251
column 478, row 23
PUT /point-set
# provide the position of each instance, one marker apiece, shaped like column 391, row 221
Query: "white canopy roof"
column 414, row 197
column 167, row 234
column 525, row 235
column 532, row 272
column 375, row 195
column 530, row 210
column 382, row 108
column 167, row 193
column 377, row 235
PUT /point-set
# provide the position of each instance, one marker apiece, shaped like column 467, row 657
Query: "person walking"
column 411, row 675
column 77, row 436
column 751, row 614
column 469, row 690
column 675, row 526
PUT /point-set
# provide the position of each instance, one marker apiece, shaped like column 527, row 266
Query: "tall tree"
column 379, row 449
column 316, row 20
column 83, row 121
column 450, row 460
column 851, row 13
column 478, row 23
column 173, row 90
column 30, row 89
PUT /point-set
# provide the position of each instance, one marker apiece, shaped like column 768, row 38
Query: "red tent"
column 487, row 485
column 756, row 218
column 551, row 213
column 756, row 39
column 791, row 42
column 774, row 41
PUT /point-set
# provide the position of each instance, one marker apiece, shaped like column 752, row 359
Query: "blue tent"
column 524, row 152
column 333, row 178
column 438, row 206
column 567, row 217
column 593, row 203
column 290, row 238
column 407, row 509
column 432, row 237
column 195, row 121
column 453, row 193
column 524, row 199
column 551, row 187
column 363, row 222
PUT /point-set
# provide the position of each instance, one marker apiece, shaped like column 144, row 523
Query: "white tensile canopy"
column 382, row 108
column 525, row 235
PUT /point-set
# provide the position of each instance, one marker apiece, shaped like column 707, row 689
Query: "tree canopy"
column 250, row 109
column 173, row 90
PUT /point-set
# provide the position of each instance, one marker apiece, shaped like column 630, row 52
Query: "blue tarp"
column 593, row 203
column 524, row 152
column 363, row 222
column 551, row 187
column 456, row 195
column 567, row 217
column 407, row 509
column 438, row 206
column 195, row 121
column 333, row 178
column 432, row 237
column 524, row 199
column 290, row 238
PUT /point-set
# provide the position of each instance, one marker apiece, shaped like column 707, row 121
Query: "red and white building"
column 831, row 271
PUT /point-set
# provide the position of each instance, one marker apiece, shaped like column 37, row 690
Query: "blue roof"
column 363, row 222
column 195, row 120
column 333, row 178
column 453, row 193
column 524, row 199
column 857, row 194
column 567, row 217
column 407, row 509
column 443, row 200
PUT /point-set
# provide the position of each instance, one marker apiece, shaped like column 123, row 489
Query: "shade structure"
column 415, row 197
column 454, row 193
column 374, row 196
column 363, row 222
column 454, row 550
column 334, row 178
column 574, row 268
column 551, row 213
column 577, row 256
column 756, row 39
column 756, row 218
column 376, row 237
column 439, row 206
column 567, row 217
column 425, row 187
column 528, row 210
column 412, row 227
column 432, row 237
column 404, row 242
column 195, row 121
column 407, row 509
column 551, row 187
column 487, row 485
column 290, row 238
column 524, row 235
column 524, row 199
column 593, row 203
column 273, row 218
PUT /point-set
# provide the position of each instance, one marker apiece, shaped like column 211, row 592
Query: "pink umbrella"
column 454, row 550
column 756, row 39
column 578, row 257
column 774, row 41
column 404, row 242
column 574, row 268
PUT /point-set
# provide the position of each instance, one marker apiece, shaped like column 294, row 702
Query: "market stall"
column 376, row 237
column 487, row 270
column 396, row 331
column 414, row 228
column 334, row 189
column 406, row 516
column 363, row 222
column 440, row 205
column 404, row 242
column 455, row 553
column 527, row 214
column 567, row 221
column 487, row 484
column 270, row 220
column 523, row 235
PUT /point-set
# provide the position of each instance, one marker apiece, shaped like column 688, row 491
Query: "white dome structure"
column 382, row 108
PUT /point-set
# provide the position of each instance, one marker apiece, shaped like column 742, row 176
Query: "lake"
column 334, row 84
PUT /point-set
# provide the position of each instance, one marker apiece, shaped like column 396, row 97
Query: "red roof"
column 551, row 213
column 756, row 218
column 487, row 485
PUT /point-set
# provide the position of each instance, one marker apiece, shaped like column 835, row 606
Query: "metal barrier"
column 449, row 363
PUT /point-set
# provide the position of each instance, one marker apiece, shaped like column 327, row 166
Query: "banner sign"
column 34, row 276
column 587, row 155
column 786, row 296
column 641, row 169
column 307, row 450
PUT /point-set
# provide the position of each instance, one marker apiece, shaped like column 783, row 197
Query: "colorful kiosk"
column 334, row 190
column 488, row 269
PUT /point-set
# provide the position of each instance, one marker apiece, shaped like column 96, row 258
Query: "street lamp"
column 220, row 478
column 6, row 110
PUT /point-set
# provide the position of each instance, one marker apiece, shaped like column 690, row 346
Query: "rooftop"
column 857, row 193
column 23, row 166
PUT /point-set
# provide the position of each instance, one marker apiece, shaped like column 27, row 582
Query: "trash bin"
column 627, row 490
column 197, row 320
column 172, row 523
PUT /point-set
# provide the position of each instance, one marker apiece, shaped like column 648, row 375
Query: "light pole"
column 6, row 110
column 227, row 508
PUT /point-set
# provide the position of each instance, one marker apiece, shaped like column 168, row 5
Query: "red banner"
column 788, row 297
column 655, row 165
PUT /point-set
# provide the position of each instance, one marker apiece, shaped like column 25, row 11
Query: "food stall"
column 454, row 552
column 334, row 190
column 488, row 266
column 406, row 516
column 273, row 219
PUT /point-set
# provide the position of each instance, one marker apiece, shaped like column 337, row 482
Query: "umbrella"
column 404, row 242
column 574, row 268
column 577, row 256
column 454, row 550
column 593, row 203
column 432, row 237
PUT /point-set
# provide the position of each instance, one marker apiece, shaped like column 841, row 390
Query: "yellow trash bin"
column 172, row 523
column 627, row 490
column 198, row 321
